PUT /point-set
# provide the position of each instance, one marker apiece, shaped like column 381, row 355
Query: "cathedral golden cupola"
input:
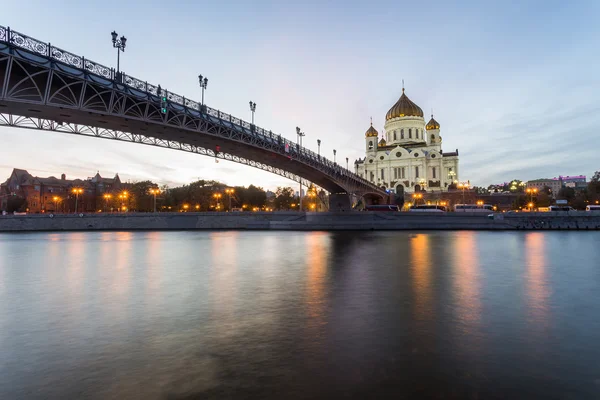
column 404, row 107
column 371, row 132
column 432, row 124
column 381, row 143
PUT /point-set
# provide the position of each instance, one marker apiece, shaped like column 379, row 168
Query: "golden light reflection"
column 76, row 251
column 316, row 266
column 420, row 261
column 119, row 275
column 537, row 284
column 154, row 264
column 224, row 278
column 467, row 280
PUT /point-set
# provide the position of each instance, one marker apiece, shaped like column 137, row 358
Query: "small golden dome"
column 432, row 124
column 381, row 142
column 371, row 132
column 404, row 107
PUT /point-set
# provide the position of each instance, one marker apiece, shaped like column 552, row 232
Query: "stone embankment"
column 300, row 221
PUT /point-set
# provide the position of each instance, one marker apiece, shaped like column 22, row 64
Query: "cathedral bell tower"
column 433, row 132
column 371, row 136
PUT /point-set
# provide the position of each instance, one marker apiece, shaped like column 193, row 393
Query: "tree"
column 284, row 198
column 566, row 193
column 140, row 198
column 252, row 196
column 593, row 188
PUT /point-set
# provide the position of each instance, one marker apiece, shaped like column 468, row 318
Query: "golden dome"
column 404, row 107
column 371, row 132
column 381, row 142
column 432, row 124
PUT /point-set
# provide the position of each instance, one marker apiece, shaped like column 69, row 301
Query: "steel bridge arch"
column 46, row 88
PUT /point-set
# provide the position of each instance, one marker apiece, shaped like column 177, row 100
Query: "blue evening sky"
column 514, row 84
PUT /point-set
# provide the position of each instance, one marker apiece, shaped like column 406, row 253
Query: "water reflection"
column 316, row 267
column 536, row 280
column 420, row 262
column 466, row 276
column 223, row 269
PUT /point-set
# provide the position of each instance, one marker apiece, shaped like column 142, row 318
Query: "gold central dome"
column 404, row 107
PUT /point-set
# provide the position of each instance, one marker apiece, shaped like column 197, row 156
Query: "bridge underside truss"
column 17, row 121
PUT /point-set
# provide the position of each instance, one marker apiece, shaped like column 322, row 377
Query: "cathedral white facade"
column 408, row 158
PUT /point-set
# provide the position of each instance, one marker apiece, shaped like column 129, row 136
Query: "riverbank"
column 299, row 221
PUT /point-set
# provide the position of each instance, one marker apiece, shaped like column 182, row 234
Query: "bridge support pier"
column 340, row 202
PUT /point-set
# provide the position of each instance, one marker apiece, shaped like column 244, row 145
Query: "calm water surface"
column 273, row 315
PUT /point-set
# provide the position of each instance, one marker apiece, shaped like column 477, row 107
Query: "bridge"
column 46, row 88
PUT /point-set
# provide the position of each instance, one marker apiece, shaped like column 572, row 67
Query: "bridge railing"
column 57, row 54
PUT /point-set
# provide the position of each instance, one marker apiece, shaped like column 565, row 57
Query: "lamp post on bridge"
column 319, row 148
column 253, row 109
column 299, row 136
column 347, row 164
column 334, row 153
column 203, row 81
column 118, row 44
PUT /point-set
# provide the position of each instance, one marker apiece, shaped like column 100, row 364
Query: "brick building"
column 52, row 194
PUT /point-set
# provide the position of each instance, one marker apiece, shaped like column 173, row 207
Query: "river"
column 294, row 315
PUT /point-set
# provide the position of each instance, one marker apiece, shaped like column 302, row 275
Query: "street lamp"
column 154, row 192
column 56, row 199
column 77, row 192
column 417, row 196
column 107, row 197
column 253, row 109
column 123, row 196
column 217, row 196
column 203, row 81
column 299, row 136
column 118, row 44
column 334, row 153
column 319, row 147
column 346, row 162
column 462, row 186
column 229, row 193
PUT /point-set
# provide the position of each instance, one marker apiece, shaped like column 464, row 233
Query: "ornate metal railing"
column 56, row 54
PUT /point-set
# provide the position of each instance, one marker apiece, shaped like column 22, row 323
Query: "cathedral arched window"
column 395, row 136
column 432, row 137
column 417, row 133
column 410, row 133
column 401, row 133
column 370, row 145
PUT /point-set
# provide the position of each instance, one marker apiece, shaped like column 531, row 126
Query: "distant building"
column 555, row 184
column 539, row 184
column 52, row 194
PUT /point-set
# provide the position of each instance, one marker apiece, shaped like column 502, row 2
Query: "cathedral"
column 408, row 158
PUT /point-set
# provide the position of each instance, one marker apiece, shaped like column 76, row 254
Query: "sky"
column 513, row 84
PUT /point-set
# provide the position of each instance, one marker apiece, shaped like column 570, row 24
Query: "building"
column 409, row 155
column 52, row 194
column 555, row 184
